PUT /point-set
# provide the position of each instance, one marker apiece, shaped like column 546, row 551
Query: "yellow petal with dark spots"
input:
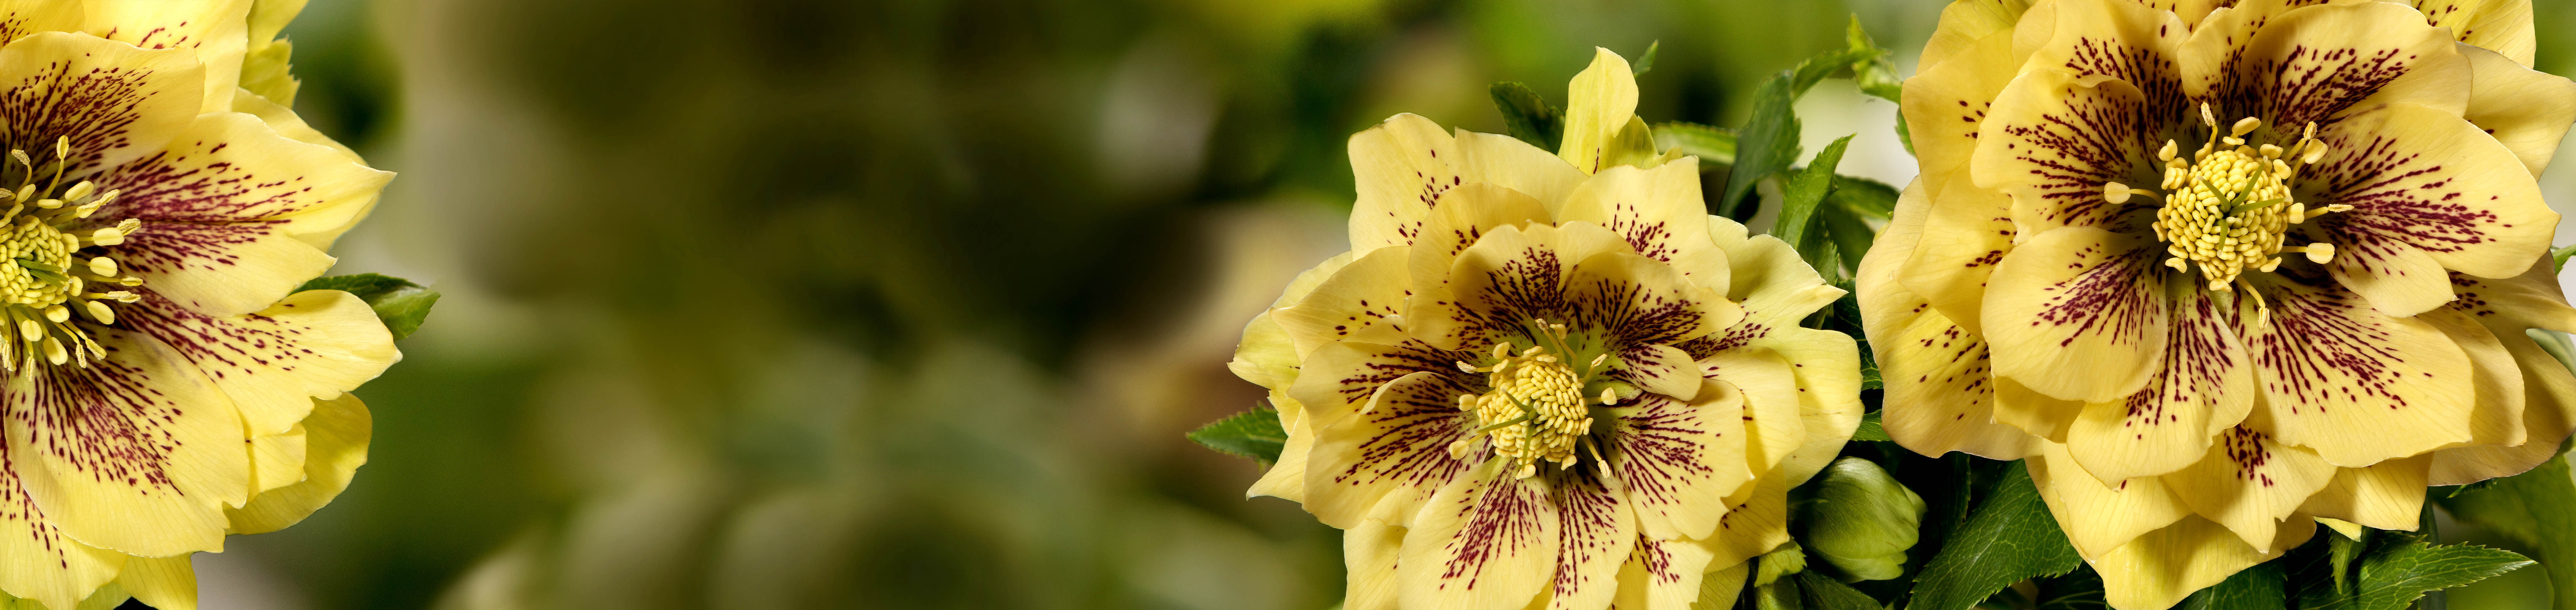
column 2079, row 290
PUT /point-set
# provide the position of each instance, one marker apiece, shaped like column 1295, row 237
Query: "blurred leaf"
column 1904, row 135
column 1823, row 593
column 2077, row 590
column 1798, row 201
column 1870, row 429
column 1768, row 142
column 2394, row 575
column 1865, row 197
column 1254, row 434
column 2257, row 588
column 2010, row 537
column 1527, row 116
column 1646, row 63
column 1875, row 70
column 2340, row 551
column 2529, row 508
column 2560, row 255
column 1715, row 146
column 401, row 304
column 1850, row 235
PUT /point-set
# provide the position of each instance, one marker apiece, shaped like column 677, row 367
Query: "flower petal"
column 2507, row 308
column 1944, row 102
column 2205, row 386
column 1678, row 461
column 23, row 17
column 2497, row 417
column 2249, row 483
column 1599, row 535
column 276, row 460
column 1772, row 427
column 1370, row 551
column 1659, row 212
column 164, row 583
column 2398, row 279
column 37, row 561
column 2320, row 64
column 1669, row 575
column 2414, row 175
column 1756, row 522
column 2162, row 567
column 1384, row 463
column 1487, row 540
column 1967, row 230
column 216, row 31
column 1286, row 479
column 1598, row 104
column 2500, row 25
column 335, row 445
column 2356, row 385
column 220, row 208
column 1472, row 210
column 1512, row 276
column 1362, row 302
column 2054, row 137
column 1967, row 21
column 313, row 344
column 1643, row 301
column 2078, row 290
column 2036, row 414
column 1402, row 166
column 2388, row 495
column 136, row 453
column 1826, row 365
column 1937, row 377
column 2099, row 518
column 115, row 102
column 1774, row 286
column 2526, row 109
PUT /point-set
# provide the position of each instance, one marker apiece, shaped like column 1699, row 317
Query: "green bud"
column 1783, row 561
column 1862, row 521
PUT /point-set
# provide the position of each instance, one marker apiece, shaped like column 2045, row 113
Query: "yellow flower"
column 164, row 388
column 2222, row 272
column 1548, row 380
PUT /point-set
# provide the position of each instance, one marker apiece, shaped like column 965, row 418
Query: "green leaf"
column 2340, row 551
column 1864, row 197
column 1850, row 234
column 402, row 305
column 1528, row 117
column 1823, row 593
column 1768, row 142
column 1254, row 434
column 2261, row 587
column 1798, row 201
column 1904, row 135
column 1875, row 73
column 2077, row 590
column 2530, row 508
column 2010, row 537
column 2394, row 575
column 1646, row 63
column 1714, row 146
column 1870, row 429
column 2560, row 255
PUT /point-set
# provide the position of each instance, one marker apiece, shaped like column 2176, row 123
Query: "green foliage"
column 1870, row 429
column 2530, row 508
column 402, row 305
column 1822, row 593
column 1714, row 146
column 2010, row 537
column 1873, row 68
column 1766, row 144
column 1646, row 63
column 2257, row 588
column 2077, row 590
column 1799, row 199
column 1254, row 434
column 2340, row 551
column 1861, row 521
column 2396, row 572
column 1528, row 117
column 2559, row 256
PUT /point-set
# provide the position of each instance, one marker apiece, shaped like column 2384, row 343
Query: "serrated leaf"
column 1254, row 434
column 2078, row 590
column 1766, row 144
column 1714, row 146
column 2261, row 587
column 1527, row 116
column 1823, row 593
column 1876, row 74
column 1646, row 63
column 2394, row 575
column 2010, row 537
column 2530, row 508
column 401, row 304
column 1870, row 429
column 1798, row 200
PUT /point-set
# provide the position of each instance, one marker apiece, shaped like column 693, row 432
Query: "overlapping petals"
column 2190, row 406
column 1548, row 380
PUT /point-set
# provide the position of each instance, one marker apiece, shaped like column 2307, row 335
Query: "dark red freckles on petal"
column 94, row 108
column 2323, row 349
column 1587, row 519
column 1504, row 520
column 2114, row 298
column 105, row 420
column 2399, row 196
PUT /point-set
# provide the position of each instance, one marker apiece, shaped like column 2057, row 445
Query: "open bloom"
column 1548, row 380
column 2220, row 271
column 163, row 387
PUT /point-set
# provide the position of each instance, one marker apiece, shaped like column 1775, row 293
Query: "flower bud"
column 1861, row 521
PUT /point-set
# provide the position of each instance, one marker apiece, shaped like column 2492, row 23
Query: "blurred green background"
column 907, row 303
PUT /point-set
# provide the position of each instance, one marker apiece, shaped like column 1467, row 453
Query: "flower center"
column 46, row 277
column 2228, row 209
column 1537, row 410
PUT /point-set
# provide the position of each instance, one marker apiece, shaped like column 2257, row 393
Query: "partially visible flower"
column 2222, row 270
column 166, row 385
column 1547, row 379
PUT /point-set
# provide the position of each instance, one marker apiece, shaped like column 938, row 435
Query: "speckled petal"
column 2417, row 176
column 2527, row 110
column 1487, row 540
column 2080, row 290
column 2249, row 484
column 217, row 32
column 1677, row 462
column 335, row 445
column 2356, row 385
column 136, row 453
column 2205, row 386
column 221, row 206
column 1382, row 464
column 313, row 344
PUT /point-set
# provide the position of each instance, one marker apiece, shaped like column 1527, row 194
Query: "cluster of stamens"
column 2229, row 206
column 46, row 279
column 1537, row 410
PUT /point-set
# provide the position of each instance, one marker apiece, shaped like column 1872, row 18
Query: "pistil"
column 48, row 277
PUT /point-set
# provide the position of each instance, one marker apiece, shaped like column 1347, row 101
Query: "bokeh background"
column 907, row 303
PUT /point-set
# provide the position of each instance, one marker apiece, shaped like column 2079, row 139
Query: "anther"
column 99, row 312
column 2243, row 126
column 78, row 191
column 106, row 267
column 1609, row 397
